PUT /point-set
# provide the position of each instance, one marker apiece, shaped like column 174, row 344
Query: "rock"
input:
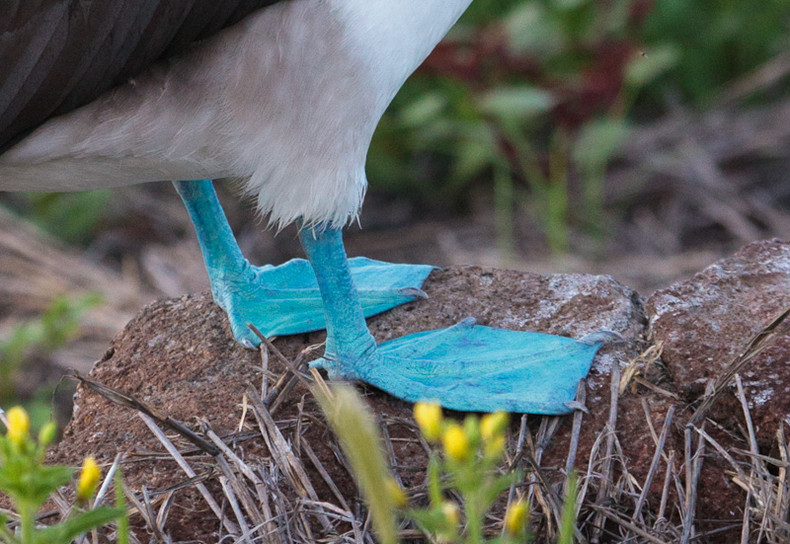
column 179, row 358
column 707, row 320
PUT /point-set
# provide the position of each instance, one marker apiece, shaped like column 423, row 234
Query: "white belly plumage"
column 288, row 98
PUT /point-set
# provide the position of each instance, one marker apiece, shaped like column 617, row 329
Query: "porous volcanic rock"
column 707, row 320
column 178, row 357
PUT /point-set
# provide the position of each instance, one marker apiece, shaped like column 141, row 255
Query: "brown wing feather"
column 57, row 55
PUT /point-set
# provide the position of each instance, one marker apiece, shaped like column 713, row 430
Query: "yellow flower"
column 396, row 492
column 516, row 518
column 493, row 448
column 455, row 442
column 89, row 479
column 47, row 433
column 18, row 425
column 429, row 418
column 451, row 513
column 493, row 425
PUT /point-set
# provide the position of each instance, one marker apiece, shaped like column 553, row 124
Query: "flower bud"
column 396, row 492
column 452, row 514
column 89, row 479
column 18, row 426
column 456, row 443
column 493, row 425
column 429, row 418
column 516, row 519
column 492, row 449
column 47, row 433
column 448, row 532
column 472, row 430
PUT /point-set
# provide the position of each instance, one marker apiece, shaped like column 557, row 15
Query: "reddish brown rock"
column 178, row 357
column 707, row 320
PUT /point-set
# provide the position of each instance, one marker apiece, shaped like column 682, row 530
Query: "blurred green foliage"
column 71, row 217
column 716, row 40
column 39, row 337
column 538, row 96
column 531, row 99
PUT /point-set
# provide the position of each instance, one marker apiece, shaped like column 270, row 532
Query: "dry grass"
column 34, row 269
column 275, row 500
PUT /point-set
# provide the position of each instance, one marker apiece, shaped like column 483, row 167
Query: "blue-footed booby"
column 285, row 94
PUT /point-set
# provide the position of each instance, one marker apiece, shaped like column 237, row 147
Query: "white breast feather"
column 290, row 98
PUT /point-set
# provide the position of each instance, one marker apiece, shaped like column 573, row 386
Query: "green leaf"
column 23, row 480
column 471, row 159
column 522, row 102
column 569, row 4
column 65, row 532
column 423, row 109
column 597, row 143
column 531, row 31
column 643, row 69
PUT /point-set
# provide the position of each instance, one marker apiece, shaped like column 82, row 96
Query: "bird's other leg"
column 465, row 367
column 282, row 299
column 349, row 344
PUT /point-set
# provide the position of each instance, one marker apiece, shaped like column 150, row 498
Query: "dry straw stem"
column 688, row 156
column 274, row 500
column 661, row 442
column 260, row 496
column 607, row 475
column 166, row 421
column 764, row 480
column 176, row 455
column 777, row 328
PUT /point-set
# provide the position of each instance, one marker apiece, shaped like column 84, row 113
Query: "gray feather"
column 57, row 55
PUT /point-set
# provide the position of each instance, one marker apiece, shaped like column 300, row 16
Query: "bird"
column 286, row 95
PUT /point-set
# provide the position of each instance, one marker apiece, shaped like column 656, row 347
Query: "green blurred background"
column 535, row 98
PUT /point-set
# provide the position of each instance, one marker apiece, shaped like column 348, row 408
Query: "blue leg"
column 466, row 367
column 284, row 299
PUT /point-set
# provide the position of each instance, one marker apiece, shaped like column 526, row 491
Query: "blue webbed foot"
column 465, row 367
column 285, row 299
column 469, row 367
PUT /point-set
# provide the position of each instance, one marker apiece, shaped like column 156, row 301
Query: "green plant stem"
column 503, row 211
column 27, row 514
column 474, row 528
